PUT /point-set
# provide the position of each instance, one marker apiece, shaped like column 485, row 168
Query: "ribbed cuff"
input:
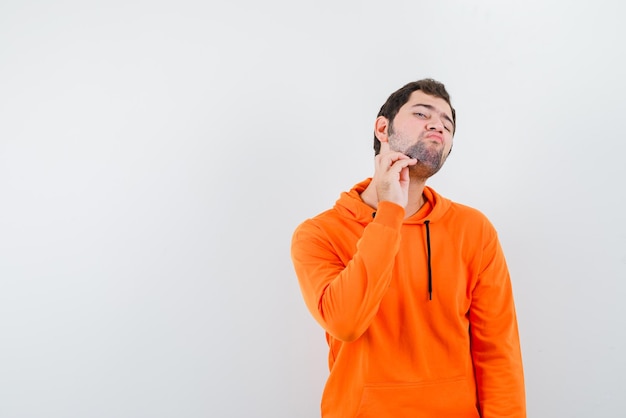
column 389, row 214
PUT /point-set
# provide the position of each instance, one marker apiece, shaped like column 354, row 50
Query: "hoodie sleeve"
column 344, row 298
column 495, row 344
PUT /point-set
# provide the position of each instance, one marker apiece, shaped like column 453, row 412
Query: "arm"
column 345, row 298
column 495, row 341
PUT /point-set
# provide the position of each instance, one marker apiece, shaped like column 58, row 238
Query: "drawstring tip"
column 430, row 295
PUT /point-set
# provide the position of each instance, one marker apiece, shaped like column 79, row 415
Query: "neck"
column 416, row 196
column 415, row 199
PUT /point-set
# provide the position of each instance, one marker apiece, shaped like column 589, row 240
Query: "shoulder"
column 471, row 217
column 467, row 211
column 317, row 225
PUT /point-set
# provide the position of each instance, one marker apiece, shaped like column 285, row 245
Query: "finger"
column 384, row 147
column 401, row 163
column 385, row 162
column 395, row 166
column 404, row 174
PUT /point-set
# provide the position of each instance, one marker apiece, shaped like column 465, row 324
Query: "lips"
column 435, row 136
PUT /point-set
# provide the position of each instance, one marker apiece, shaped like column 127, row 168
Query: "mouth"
column 435, row 137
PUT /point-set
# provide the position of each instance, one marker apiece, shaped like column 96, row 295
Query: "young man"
column 412, row 289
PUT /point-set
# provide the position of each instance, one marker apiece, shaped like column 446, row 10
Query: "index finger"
column 384, row 146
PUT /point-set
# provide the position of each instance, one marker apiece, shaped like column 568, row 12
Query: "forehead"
column 419, row 97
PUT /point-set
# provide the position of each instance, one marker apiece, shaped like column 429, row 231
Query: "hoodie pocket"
column 454, row 397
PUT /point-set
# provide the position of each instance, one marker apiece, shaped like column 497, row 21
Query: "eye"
column 419, row 114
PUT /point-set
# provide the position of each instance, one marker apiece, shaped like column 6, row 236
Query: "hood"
column 352, row 206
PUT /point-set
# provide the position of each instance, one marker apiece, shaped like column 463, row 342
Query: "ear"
column 381, row 129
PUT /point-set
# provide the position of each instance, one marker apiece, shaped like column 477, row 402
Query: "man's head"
column 418, row 121
column 400, row 97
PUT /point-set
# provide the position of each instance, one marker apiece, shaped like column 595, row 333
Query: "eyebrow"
column 434, row 109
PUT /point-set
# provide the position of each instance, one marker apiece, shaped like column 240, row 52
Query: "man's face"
column 423, row 130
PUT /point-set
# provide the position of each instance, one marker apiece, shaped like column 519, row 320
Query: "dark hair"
column 399, row 98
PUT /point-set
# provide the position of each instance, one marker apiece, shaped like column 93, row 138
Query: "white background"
column 156, row 156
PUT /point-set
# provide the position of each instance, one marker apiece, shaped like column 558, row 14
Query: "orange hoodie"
column 397, row 348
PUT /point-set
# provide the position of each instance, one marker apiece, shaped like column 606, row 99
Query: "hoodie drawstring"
column 430, row 271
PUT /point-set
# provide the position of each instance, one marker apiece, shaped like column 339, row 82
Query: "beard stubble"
column 429, row 156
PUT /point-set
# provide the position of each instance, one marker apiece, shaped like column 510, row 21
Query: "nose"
column 435, row 125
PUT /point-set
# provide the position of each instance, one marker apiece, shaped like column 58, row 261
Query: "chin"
column 424, row 170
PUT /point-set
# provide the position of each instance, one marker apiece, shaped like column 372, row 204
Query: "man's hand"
column 391, row 175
